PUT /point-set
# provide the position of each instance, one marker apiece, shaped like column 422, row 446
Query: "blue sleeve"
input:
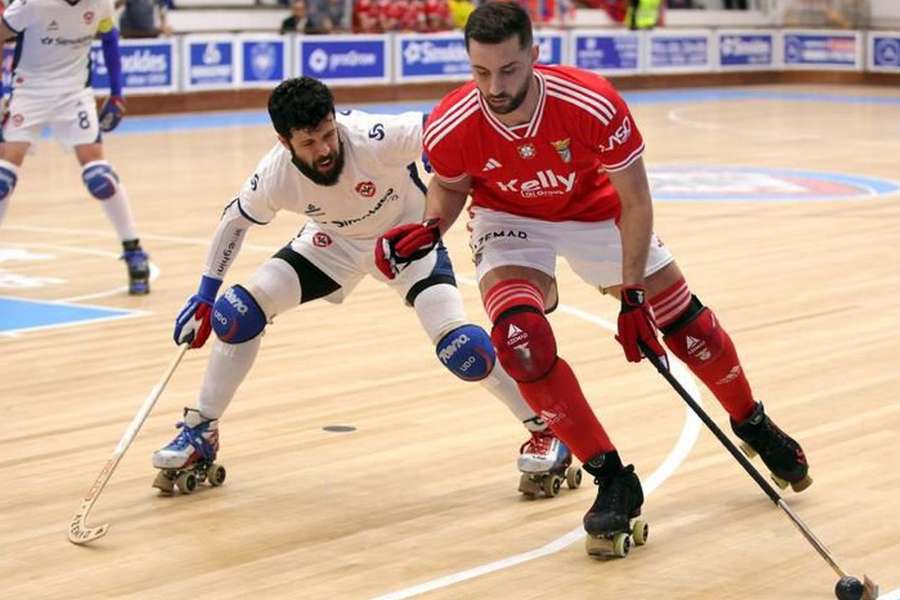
column 113, row 59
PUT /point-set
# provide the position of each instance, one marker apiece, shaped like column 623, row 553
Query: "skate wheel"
column 640, row 530
column 215, row 475
column 551, row 485
column 573, row 477
column 748, row 450
column 164, row 482
column 621, row 545
column 186, row 482
column 801, row 485
column 781, row 483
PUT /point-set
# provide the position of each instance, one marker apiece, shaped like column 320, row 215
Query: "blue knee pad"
column 8, row 180
column 237, row 317
column 468, row 352
column 100, row 180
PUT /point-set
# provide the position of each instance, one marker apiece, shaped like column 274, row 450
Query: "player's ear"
column 284, row 142
column 535, row 53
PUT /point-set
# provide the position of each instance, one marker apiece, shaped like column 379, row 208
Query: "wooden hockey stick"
column 79, row 532
column 869, row 588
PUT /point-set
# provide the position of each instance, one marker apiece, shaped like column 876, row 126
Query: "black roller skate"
column 611, row 523
column 545, row 463
column 780, row 452
column 188, row 460
column 138, row 265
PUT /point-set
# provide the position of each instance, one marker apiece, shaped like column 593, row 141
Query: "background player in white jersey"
column 51, row 88
column 354, row 176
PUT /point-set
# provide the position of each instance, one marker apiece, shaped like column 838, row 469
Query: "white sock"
column 228, row 366
column 501, row 385
column 119, row 214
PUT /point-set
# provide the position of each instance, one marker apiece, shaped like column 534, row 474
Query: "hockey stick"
column 79, row 532
column 870, row 589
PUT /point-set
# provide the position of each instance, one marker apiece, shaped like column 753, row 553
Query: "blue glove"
column 111, row 113
column 192, row 325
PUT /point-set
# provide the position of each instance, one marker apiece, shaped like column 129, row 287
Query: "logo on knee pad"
column 236, row 302
column 467, row 352
column 697, row 349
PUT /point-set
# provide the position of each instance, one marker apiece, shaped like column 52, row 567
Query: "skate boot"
column 782, row 455
column 138, row 270
column 545, row 462
column 611, row 523
column 188, row 459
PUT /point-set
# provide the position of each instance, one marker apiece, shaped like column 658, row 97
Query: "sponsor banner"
column 553, row 47
column 701, row 183
column 148, row 66
column 209, row 61
column 606, row 52
column 747, row 49
column 429, row 57
column 835, row 50
column 679, row 52
column 343, row 59
column 884, row 51
column 263, row 60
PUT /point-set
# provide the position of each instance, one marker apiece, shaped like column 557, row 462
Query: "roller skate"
column 545, row 462
column 138, row 268
column 782, row 454
column 188, row 459
column 611, row 523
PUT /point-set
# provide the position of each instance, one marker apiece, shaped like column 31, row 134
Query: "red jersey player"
column 552, row 158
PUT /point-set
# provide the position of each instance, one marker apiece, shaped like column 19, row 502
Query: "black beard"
column 316, row 176
column 514, row 102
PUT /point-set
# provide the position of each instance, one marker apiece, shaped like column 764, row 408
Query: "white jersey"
column 53, row 47
column 377, row 189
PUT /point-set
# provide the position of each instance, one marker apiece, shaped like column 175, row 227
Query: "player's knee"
column 237, row 316
column 525, row 343
column 100, row 179
column 467, row 352
column 9, row 177
column 696, row 337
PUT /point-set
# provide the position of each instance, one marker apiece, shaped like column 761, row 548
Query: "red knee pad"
column 525, row 344
column 700, row 342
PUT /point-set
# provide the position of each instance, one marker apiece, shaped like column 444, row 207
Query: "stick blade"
column 80, row 534
column 870, row 589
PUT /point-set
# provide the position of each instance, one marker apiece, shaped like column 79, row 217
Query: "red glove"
column 636, row 323
column 400, row 246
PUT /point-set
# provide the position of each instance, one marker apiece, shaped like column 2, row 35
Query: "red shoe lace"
column 539, row 443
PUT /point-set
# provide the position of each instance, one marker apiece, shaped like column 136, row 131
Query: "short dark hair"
column 495, row 22
column 299, row 103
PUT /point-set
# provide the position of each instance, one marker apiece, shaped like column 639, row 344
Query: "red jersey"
column 552, row 168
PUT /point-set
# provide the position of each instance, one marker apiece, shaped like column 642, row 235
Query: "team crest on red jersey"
column 527, row 151
column 563, row 148
column 321, row 240
column 365, row 189
column 88, row 17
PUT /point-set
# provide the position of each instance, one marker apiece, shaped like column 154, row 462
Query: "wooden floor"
column 424, row 491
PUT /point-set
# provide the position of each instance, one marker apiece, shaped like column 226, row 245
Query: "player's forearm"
column 444, row 202
column 226, row 242
column 636, row 221
column 113, row 60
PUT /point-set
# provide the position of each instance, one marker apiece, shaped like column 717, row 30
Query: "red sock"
column 558, row 400
column 707, row 350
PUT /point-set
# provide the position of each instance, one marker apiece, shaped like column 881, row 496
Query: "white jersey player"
column 354, row 176
column 51, row 88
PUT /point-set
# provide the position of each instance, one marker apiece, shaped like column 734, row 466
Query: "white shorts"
column 593, row 250
column 347, row 261
column 72, row 118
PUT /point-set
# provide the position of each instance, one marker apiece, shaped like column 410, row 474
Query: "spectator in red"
column 437, row 15
column 365, row 17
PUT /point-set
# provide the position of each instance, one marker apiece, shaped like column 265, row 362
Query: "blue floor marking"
column 245, row 118
column 18, row 315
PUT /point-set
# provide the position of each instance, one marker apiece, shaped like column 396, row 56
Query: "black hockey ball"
column 849, row 588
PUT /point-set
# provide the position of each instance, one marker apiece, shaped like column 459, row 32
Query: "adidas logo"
column 53, row 26
column 312, row 209
column 549, row 417
column 730, row 376
column 490, row 165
